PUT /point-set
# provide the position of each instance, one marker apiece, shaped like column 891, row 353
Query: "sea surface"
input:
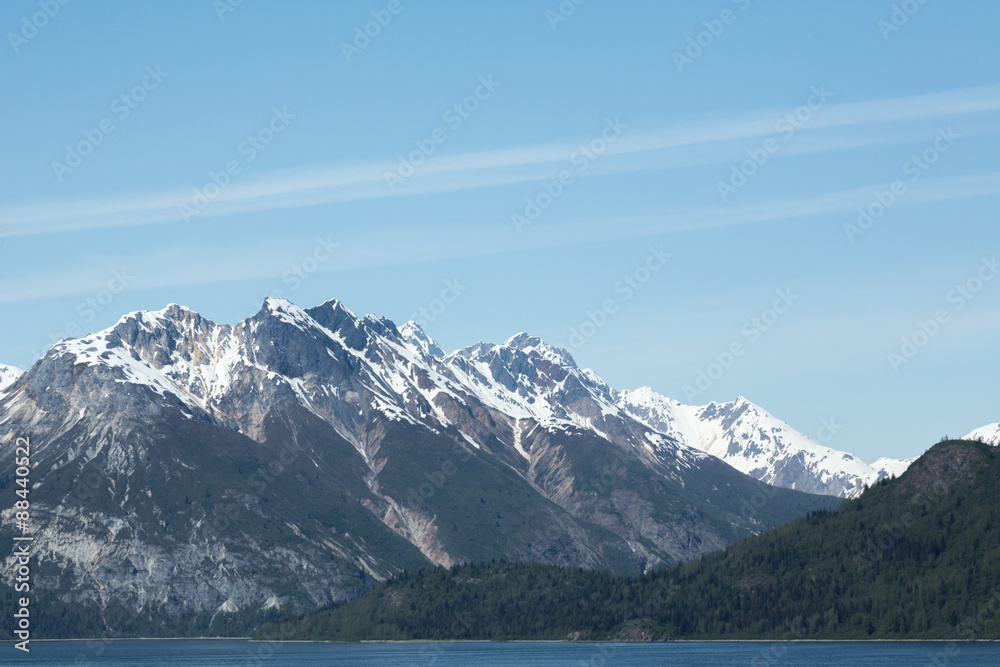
column 243, row 653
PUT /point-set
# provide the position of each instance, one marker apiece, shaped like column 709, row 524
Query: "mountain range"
column 296, row 458
column 740, row 433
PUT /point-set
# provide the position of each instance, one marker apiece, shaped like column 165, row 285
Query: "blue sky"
column 534, row 172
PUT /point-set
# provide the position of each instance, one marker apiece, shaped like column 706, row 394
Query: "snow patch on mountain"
column 886, row 467
column 990, row 434
column 106, row 349
column 8, row 376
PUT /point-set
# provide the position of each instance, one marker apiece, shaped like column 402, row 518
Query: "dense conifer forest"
column 914, row 557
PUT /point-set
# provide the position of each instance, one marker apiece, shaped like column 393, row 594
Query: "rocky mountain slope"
column 526, row 378
column 181, row 466
column 913, row 558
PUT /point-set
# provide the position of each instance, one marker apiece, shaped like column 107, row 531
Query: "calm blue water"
column 241, row 653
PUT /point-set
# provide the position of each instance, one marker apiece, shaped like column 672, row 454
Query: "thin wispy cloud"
column 847, row 202
column 205, row 266
column 367, row 180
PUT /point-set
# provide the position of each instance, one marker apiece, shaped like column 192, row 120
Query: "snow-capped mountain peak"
column 336, row 305
column 533, row 345
column 347, row 371
column 418, row 340
column 754, row 442
column 288, row 312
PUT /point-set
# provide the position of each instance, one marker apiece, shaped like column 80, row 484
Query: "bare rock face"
column 942, row 469
column 291, row 460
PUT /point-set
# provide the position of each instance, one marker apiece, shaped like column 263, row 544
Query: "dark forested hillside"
column 914, row 557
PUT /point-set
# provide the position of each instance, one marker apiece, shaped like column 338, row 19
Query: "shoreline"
column 520, row 641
